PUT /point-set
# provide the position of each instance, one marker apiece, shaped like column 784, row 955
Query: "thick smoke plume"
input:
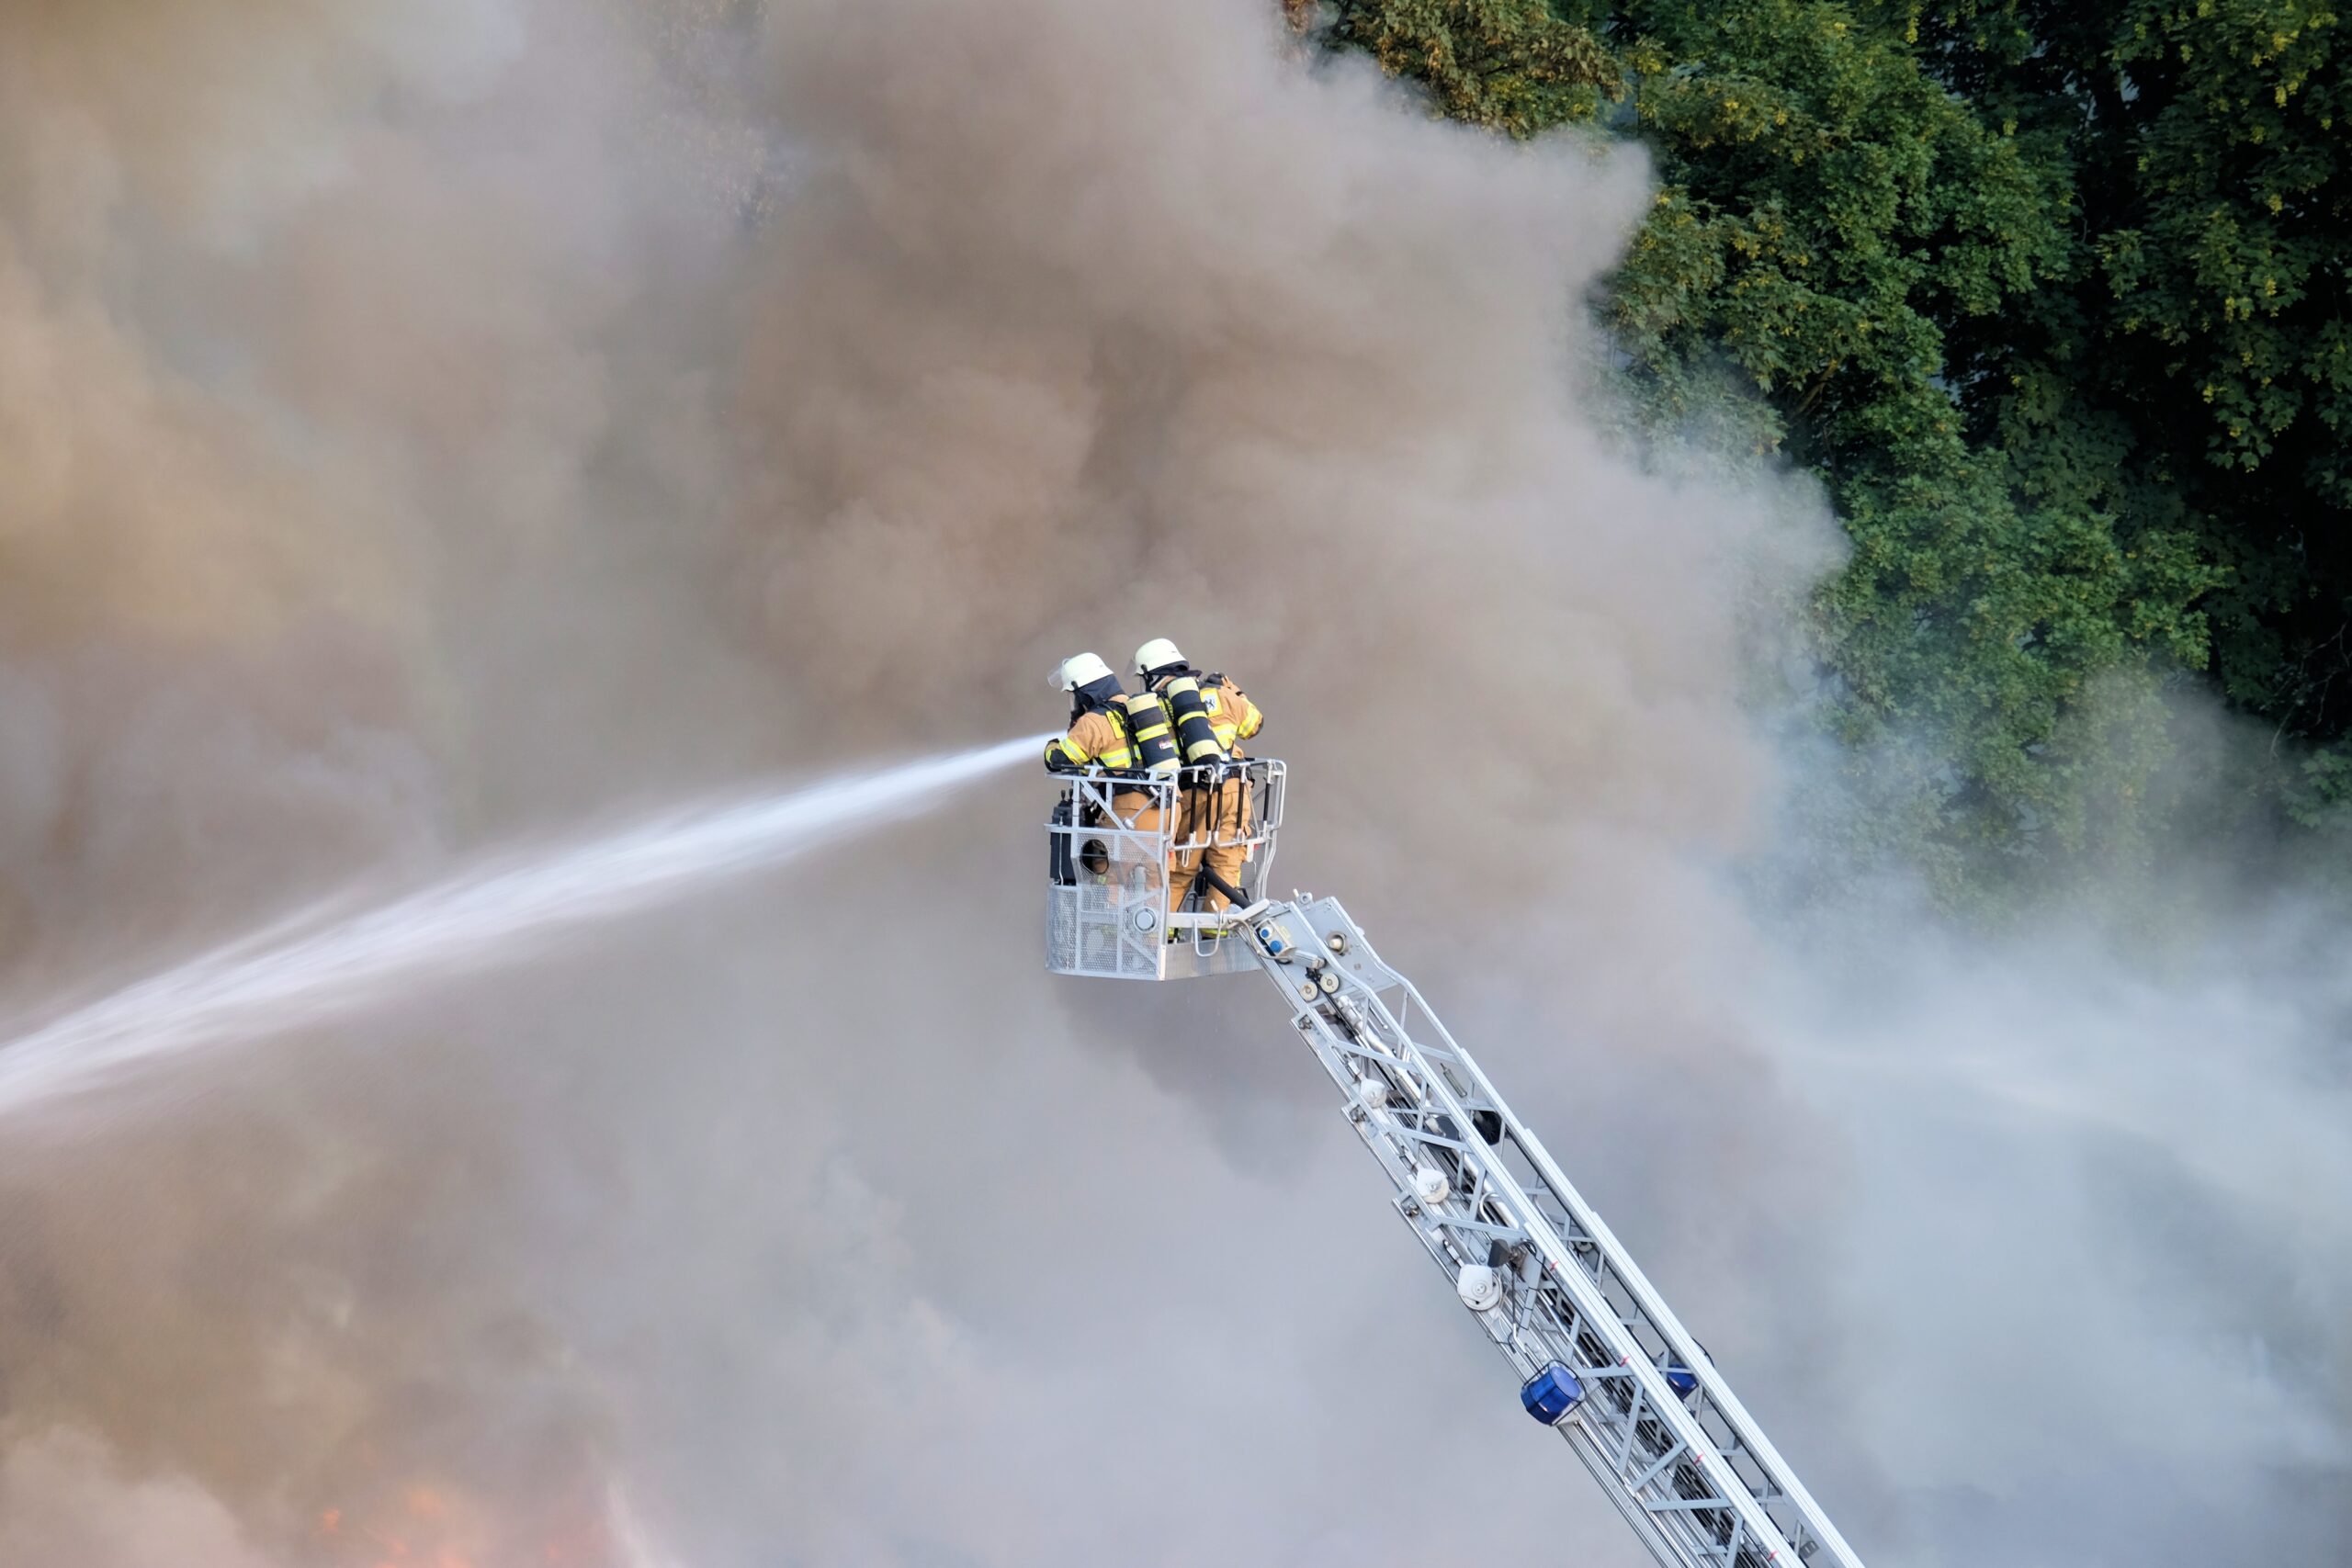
column 422, row 424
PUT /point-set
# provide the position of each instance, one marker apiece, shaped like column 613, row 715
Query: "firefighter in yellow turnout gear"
column 1211, row 716
column 1126, row 734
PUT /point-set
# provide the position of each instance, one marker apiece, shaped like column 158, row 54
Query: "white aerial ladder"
column 1601, row 1357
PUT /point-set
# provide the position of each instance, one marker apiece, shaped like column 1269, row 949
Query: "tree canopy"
column 2051, row 297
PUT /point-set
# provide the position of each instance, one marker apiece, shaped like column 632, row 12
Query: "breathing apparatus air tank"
column 1195, row 734
column 1148, row 725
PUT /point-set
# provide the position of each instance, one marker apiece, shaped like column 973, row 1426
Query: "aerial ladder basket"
column 1600, row 1357
column 1113, row 845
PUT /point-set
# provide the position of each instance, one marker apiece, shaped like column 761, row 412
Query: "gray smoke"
column 425, row 426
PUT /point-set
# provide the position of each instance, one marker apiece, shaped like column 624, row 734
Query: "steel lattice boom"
column 1601, row 1357
column 1683, row 1462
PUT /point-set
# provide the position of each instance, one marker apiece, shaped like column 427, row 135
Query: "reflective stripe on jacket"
column 1094, row 736
column 1231, row 713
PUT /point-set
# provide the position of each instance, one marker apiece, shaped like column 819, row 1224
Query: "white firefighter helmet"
column 1156, row 654
column 1079, row 670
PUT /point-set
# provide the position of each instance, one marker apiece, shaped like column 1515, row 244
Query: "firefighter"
column 1129, row 736
column 1211, row 717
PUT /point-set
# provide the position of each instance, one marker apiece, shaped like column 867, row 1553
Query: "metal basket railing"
column 1114, row 841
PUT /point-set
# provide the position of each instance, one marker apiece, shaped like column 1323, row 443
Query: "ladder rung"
column 1690, row 1506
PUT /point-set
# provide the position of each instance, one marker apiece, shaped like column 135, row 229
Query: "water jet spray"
column 322, row 962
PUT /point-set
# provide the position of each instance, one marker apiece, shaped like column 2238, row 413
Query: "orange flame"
column 425, row 1524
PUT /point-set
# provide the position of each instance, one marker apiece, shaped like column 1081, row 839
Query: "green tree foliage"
column 2050, row 296
column 2201, row 347
column 1510, row 65
column 1832, row 211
